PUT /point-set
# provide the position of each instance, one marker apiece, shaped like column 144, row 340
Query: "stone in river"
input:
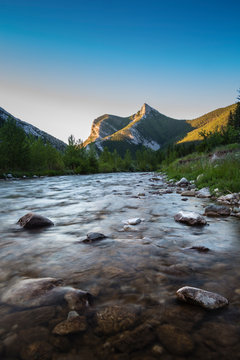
column 217, row 210
column 190, row 218
column 33, row 221
column 113, row 319
column 188, row 193
column 175, row 340
column 182, row 182
column 133, row 221
column 94, row 236
column 73, row 324
column 200, row 248
column 44, row 291
column 203, row 298
column 203, row 193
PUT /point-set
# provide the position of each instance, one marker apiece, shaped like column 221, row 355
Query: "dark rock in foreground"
column 200, row 248
column 190, row 218
column 94, row 236
column 73, row 324
column 203, row 298
column 217, row 210
column 33, row 221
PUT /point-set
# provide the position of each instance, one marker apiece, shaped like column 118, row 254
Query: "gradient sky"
column 64, row 63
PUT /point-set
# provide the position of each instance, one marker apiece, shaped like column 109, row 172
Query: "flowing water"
column 133, row 275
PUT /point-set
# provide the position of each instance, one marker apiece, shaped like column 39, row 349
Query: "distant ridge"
column 32, row 130
column 148, row 128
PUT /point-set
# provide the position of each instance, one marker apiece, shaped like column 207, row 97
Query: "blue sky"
column 63, row 63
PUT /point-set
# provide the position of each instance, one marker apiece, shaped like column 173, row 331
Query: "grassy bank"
column 220, row 171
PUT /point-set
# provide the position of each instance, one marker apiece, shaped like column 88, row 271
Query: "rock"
column 229, row 199
column 184, row 199
column 73, row 324
column 94, row 236
column 33, row 221
column 175, row 340
column 133, row 221
column 129, row 228
column 113, row 319
column 200, row 248
column 190, row 218
column 136, row 339
column 30, row 292
column 203, row 298
column 217, row 210
column 188, row 193
column 157, row 349
column 45, row 291
column 203, row 193
column 37, row 350
column 9, row 176
column 78, row 299
column 182, row 182
column 72, row 314
column 141, row 194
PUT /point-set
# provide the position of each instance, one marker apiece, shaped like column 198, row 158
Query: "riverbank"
column 219, row 169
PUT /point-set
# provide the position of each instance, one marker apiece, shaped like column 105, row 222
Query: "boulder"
column 217, row 210
column 203, row 298
column 33, row 221
column 190, row 218
column 203, row 193
column 182, row 182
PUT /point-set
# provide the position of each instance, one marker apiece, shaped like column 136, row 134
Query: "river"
column 136, row 270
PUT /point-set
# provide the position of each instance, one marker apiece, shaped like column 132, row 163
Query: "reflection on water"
column 143, row 267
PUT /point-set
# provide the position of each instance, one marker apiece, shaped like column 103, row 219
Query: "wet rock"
column 157, row 349
column 94, row 236
column 73, row 324
column 230, row 199
column 182, row 182
column 203, row 193
column 136, row 339
column 37, row 350
column 190, row 218
column 175, row 340
column 45, row 291
column 134, row 221
column 188, row 193
column 141, row 194
column 206, row 299
column 78, row 299
column 217, row 210
column 30, row 292
column 200, row 248
column 113, row 319
column 184, row 199
column 34, row 221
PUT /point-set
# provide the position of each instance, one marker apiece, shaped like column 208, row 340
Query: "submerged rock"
column 44, row 291
column 190, row 218
column 113, row 319
column 200, row 248
column 203, row 298
column 33, row 221
column 73, row 324
column 203, row 193
column 175, row 340
column 217, row 210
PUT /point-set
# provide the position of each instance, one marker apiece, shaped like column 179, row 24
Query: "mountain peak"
column 146, row 109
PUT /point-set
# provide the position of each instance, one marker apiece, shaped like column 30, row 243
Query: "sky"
column 64, row 63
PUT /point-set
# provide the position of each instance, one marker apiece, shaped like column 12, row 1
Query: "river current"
column 135, row 271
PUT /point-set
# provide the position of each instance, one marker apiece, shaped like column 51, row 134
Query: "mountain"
column 32, row 130
column 208, row 122
column 147, row 127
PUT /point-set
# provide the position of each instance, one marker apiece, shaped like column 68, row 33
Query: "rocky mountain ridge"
column 32, row 130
